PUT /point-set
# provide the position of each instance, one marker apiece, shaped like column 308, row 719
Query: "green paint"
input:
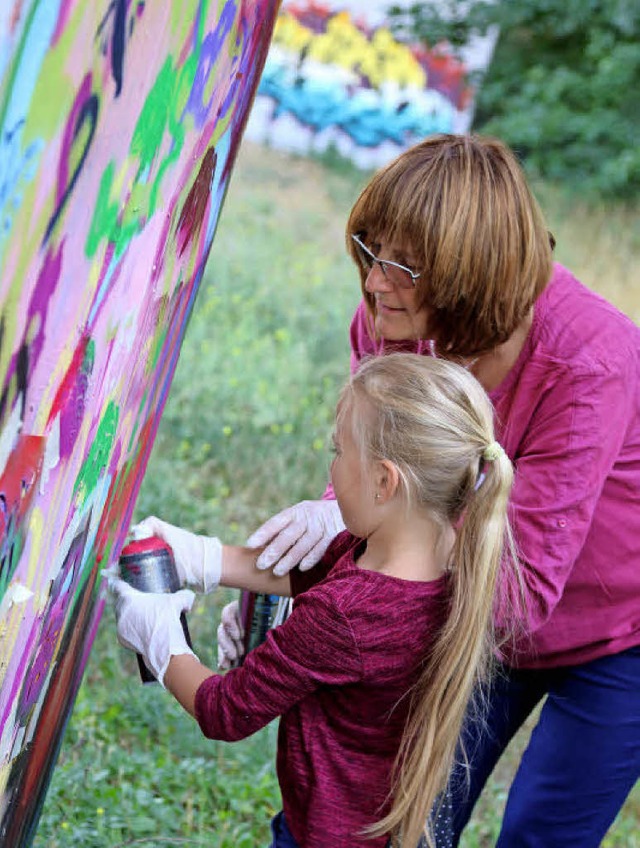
column 106, row 222
column 12, row 554
column 134, row 444
column 148, row 133
column 95, row 463
column 161, row 111
column 161, row 337
column 105, row 214
column 89, row 358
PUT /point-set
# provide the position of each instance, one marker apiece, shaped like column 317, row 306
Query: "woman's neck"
column 491, row 368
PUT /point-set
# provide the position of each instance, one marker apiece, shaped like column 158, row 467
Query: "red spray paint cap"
column 150, row 544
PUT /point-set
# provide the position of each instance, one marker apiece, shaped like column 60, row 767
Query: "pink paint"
column 94, row 320
column 63, row 14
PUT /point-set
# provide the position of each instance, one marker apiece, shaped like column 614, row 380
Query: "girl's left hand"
column 149, row 624
column 230, row 637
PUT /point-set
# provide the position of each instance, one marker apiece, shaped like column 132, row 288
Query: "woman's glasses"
column 398, row 275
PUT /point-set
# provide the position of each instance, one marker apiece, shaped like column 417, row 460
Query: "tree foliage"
column 563, row 88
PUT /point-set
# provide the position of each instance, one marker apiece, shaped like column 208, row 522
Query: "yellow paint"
column 290, row 33
column 5, row 771
column 381, row 59
column 60, row 368
column 36, row 528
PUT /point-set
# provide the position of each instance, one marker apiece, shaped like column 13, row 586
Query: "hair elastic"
column 492, row 452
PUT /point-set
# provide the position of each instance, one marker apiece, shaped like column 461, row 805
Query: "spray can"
column 259, row 613
column 148, row 565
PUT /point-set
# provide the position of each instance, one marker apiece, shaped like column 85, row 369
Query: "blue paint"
column 367, row 115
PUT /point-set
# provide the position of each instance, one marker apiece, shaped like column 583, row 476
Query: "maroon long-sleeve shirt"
column 338, row 671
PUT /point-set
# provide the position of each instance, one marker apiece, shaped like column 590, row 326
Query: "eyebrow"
column 401, row 257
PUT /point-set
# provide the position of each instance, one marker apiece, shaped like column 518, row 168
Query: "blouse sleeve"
column 573, row 441
column 314, row 647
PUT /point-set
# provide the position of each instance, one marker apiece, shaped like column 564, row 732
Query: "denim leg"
column 281, row 835
column 582, row 760
column 513, row 696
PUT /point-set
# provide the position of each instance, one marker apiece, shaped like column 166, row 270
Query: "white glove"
column 149, row 624
column 299, row 535
column 230, row 636
column 198, row 558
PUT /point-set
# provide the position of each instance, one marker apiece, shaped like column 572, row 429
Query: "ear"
column 386, row 481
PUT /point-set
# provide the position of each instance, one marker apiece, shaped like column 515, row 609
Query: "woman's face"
column 397, row 315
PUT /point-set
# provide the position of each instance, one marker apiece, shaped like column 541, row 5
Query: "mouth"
column 386, row 309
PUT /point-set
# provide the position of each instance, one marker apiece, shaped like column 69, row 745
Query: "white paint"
column 9, row 436
column 51, row 454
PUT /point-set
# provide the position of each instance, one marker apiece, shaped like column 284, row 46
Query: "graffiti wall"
column 119, row 124
column 336, row 75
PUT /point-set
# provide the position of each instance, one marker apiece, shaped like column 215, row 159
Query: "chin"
column 396, row 329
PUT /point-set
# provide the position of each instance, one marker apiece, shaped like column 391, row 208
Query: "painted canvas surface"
column 119, row 124
column 337, row 75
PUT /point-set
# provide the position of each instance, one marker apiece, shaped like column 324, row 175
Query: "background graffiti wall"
column 119, row 123
column 335, row 75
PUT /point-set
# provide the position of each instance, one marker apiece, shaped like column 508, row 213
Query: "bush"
column 562, row 88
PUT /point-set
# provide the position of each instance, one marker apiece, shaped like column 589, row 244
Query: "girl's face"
column 351, row 478
column 397, row 315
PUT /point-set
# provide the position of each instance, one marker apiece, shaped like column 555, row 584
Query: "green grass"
column 243, row 435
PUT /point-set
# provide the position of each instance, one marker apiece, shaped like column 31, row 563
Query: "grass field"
column 243, row 435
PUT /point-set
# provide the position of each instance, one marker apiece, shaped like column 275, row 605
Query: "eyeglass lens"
column 396, row 274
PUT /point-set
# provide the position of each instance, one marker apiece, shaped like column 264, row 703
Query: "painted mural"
column 119, row 124
column 333, row 78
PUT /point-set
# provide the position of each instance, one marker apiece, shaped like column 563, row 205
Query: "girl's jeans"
column 582, row 760
column 282, row 837
column 281, row 834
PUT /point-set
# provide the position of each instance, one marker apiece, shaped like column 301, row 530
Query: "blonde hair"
column 433, row 420
column 462, row 206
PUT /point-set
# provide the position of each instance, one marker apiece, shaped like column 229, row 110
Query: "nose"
column 376, row 280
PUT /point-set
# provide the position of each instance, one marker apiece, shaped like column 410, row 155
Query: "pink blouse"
column 567, row 415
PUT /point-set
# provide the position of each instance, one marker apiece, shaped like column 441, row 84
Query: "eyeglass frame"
column 383, row 262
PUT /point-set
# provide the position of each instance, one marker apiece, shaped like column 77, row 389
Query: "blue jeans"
column 281, row 834
column 582, row 760
column 282, row 837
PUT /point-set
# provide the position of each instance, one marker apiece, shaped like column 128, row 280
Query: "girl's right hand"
column 230, row 637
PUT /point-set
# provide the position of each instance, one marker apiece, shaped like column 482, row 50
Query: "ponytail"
column 459, row 665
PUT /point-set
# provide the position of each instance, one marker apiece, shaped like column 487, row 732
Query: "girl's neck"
column 410, row 550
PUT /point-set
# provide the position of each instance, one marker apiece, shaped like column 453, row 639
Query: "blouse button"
column 562, row 522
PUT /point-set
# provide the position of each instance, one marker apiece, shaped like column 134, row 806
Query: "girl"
column 389, row 635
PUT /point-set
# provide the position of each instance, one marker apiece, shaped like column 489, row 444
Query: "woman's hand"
column 198, row 558
column 230, row 637
column 299, row 535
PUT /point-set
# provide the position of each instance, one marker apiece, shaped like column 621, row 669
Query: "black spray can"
column 148, row 566
column 259, row 613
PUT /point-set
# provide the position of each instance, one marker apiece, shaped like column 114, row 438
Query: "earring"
column 377, row 496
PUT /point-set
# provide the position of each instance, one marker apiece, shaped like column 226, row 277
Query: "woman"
column 455, row 261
